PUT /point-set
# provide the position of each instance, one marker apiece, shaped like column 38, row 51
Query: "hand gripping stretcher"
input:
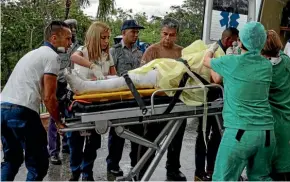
column 154, row 106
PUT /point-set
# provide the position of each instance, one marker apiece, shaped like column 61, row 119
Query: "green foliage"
column 22, row 26
column 23, row 22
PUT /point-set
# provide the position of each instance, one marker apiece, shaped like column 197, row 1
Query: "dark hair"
column 55, row 27
column 170, row 23
column 229, row 32
column 233, row 31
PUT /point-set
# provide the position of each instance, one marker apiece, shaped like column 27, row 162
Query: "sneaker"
column 175, row 176
column 116, row 173
column 75, row 176
column 88, row 178
column 55, row 160
column 202, row 177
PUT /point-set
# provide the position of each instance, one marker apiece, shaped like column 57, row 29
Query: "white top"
column 287, row 49
column 104, row 64
column 25, row 85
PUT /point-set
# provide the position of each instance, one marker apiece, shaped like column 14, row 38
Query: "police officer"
column 53, row 136
column 126, row 56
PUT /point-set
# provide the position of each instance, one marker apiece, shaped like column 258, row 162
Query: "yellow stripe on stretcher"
column 122, row 95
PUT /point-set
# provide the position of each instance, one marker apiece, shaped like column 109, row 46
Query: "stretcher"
column 100, row 113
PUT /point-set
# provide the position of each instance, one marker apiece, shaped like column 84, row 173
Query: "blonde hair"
column 273, row 44
column 93, row 40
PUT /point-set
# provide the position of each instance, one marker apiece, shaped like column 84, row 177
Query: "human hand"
column 60, row 126
column 97, row 71
column 213, row 47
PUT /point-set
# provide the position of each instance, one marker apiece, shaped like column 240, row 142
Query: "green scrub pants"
column 239, row 149
column 281, row 162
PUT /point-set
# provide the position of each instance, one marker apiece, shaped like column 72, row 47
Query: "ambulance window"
column 227, row 13
column 232, row 6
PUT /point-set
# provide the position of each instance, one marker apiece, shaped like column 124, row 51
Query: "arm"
column 216, row 77
column 147, row 56
column 78, row 58
column 112, row 70
column 207, row 59
column 50, row 100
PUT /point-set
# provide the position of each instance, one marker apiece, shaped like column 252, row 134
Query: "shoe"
column 202, row 178
column 116, row 173
column 65, row 150
column 55, row 160
column 175, row 176
column 75, row 176
column 88, row 178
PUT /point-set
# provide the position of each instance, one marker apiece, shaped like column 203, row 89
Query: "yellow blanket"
column 171, row 71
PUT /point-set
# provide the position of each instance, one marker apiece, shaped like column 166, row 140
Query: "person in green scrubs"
column 249, row 139
column 280, row 103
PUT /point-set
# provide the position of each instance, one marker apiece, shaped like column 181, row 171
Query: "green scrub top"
column 280, row 90
column 246, row 79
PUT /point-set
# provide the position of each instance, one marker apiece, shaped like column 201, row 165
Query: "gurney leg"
column 147, row 155
column 163, row 148
column 219, row 123
column 121, row 132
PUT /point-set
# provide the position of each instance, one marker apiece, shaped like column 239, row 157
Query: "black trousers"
column 116, row 145
column 152, row 130
column 213, row 138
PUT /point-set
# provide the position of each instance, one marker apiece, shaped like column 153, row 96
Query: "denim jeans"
column 22, row 131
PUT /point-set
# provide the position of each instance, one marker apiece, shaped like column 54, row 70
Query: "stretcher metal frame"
column 118, row 118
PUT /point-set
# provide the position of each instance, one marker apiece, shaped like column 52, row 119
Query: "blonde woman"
column 279, row 99
column 92, row 61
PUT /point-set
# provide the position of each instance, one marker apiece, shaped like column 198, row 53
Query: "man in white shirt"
column 34, row 78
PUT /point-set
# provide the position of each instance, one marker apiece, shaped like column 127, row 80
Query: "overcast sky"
column 151, row 7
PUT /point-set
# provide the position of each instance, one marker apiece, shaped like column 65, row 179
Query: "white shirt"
column 287, row 49
column 104, row 64
column 25, row 85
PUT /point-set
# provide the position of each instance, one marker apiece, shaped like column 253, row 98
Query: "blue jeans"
column 22, row 129
column 82, row 158
column 54, row 139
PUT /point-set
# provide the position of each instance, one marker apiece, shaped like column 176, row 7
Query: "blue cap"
column 253, row 36
column 131, row 24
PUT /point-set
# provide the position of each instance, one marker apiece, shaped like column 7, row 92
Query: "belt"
column 241, row 132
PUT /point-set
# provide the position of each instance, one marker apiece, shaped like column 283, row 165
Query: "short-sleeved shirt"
column 280, row 90
column 158, row 51
column 104, row 63
column 25, row 84
column 246, row 79
column 125, row 59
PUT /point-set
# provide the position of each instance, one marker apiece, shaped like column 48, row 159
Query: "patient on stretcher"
column 160, row 73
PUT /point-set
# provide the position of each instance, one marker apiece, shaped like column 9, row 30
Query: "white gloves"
column 233, row 50
column 97, row 71
column 213, row 47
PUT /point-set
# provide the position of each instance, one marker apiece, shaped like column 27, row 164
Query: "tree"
column 22, row 25
column 190, row 16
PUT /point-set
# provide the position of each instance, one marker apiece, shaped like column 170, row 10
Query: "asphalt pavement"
column 62, row 172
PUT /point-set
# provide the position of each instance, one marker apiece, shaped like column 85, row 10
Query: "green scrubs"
column 280, row 103
column 247, row 79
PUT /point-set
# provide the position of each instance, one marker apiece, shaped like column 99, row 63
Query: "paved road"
column 62, row 172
